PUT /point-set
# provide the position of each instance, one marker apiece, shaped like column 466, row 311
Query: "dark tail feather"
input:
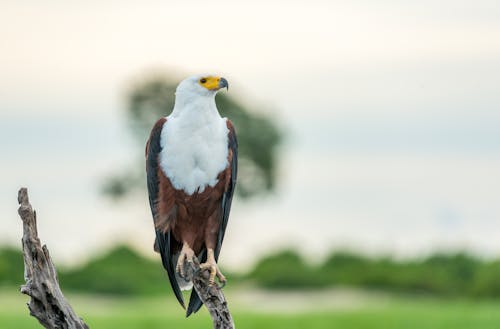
column 195, row 302
column 164, row 245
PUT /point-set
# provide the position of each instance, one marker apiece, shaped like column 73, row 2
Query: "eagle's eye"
column 203, row 80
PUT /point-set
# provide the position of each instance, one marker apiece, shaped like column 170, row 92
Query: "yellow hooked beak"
column 214, row 83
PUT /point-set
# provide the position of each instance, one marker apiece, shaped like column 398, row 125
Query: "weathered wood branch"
column 210, row 294
column 48, row 303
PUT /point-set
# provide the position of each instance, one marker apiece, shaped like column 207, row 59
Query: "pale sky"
column 391, row 110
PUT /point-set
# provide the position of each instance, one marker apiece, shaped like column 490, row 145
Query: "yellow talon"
column 186, row 254
column 214, row 269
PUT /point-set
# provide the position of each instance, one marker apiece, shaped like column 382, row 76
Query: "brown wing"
column 227, row 197
column 164, row 239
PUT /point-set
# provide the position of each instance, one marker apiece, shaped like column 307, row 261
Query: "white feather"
column 194, row 139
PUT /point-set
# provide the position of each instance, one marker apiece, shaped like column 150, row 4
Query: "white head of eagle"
column 195, row 137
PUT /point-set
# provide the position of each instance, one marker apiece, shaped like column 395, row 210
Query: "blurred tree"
column 11, row 266
column 285, row 270
column 121, row 271
column 487, row 280
column 258, row 137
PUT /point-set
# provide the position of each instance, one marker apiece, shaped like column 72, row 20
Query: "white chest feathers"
column 194, row 151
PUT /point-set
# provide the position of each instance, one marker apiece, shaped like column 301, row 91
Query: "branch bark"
column 48, row 303
column 210, row 294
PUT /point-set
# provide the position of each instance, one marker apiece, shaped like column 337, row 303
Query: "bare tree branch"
column 48, row 303
column 210, row 294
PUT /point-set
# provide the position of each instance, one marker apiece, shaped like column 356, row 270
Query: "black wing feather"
column 227, row 197
column 163, row 239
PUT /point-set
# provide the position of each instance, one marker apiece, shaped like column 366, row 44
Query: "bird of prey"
column 191, row 164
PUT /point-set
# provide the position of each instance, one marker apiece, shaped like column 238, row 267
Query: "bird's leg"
column 211, row 264
column 186, row 254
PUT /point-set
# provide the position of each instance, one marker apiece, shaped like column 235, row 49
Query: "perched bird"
column 191, row 165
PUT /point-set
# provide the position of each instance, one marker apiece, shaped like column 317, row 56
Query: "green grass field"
column 152, row 313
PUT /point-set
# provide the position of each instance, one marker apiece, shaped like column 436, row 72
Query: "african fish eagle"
column 191, row 164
